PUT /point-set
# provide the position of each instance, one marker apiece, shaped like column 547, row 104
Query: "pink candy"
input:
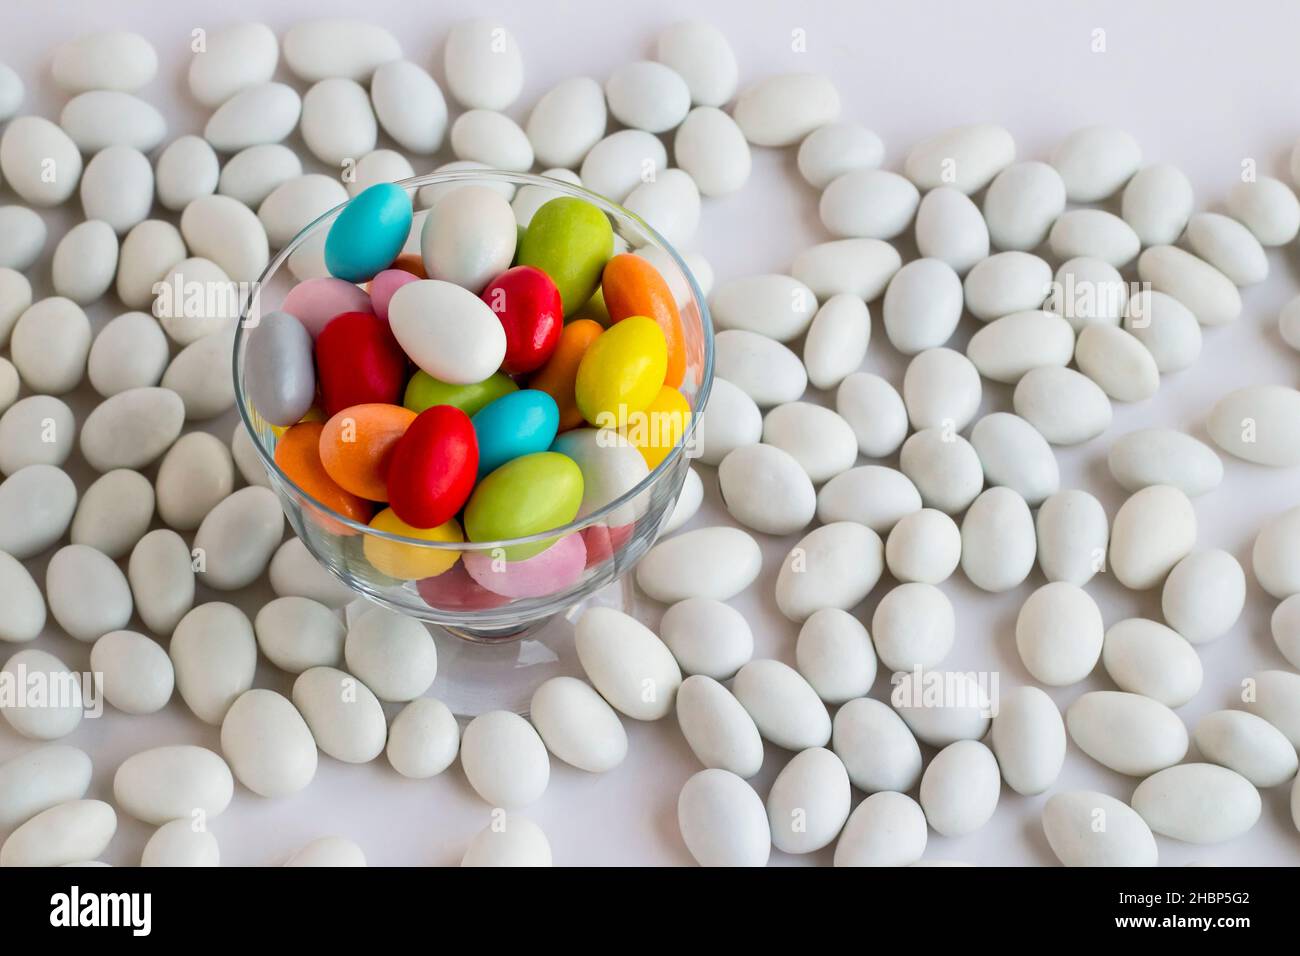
column 549, row 572
column 384, row 285
column 316, row 301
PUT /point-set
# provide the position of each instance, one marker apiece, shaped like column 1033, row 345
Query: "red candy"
column 528, row 304
column 455, row 590
column 433, row 467
column 358, row 362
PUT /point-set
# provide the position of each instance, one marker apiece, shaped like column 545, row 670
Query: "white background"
column 1201, row 84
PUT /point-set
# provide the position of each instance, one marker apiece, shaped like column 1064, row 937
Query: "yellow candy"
column 314, row 414
column 621, row 372
column 657, row 430
column 408, row 562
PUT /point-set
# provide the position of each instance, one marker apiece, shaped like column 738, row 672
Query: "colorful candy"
column 528, row 304
column 297, row 453
column 570, row 240
column 621, row 372
column 424, row 391
column 632, row 286
column 524, row 497
column 558, row 377
column 356, row 446
column 514, row 425
column 409, row 562
column 358, row 362
column 432, row 468
column 279, row 374
column 369, row 233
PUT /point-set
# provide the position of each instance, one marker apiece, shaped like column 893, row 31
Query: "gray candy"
column 278, row 372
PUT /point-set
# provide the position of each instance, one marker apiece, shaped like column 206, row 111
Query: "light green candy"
column 570, row 240
column 527, row 495
column 424, row 391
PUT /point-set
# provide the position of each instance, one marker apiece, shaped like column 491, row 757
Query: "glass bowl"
column 493, row 649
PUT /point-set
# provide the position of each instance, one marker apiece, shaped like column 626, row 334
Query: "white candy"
column 198, row 374
column 717, row 563
column 878, row 750
column 1228, row 246
column 379, row 166
column 869, row 203
column 944, row 468
column 255, row 116
column 114, row 513
column 913, row 627
column 835, row 655
column 809, row 802
column 88, row 593
column 1164, row 456
column 1259, row 423
column 148, row 253
column 1066, row 407
column 9, row 384
column 647, row 95
column 317, row 49
column 717, row 728
column 567, row 122
column 1059, row 634
column 1028, row 739
column 1157, row 203
column 873, row 495
column 722, row 821
column 670, row 205
column 781, row 110
column 1094, row 233
column 959, row 790
column 61, row 711
column 1022, row 203
column 1014, row 454
column 922, row 305
column 1246, row 744
column 1117, row 361
column 763, row 369
column 1009, row 347
column 1070, row 822
column 36, row 507
column 491, row 138
column 238, row 56
column 997, row 540
column 517, row 842
column 345, row 718
column 469, row 242
column 1096, row 161
column 707, row 637
column 835, row 565
column 484, row 67
column 1073, row 533
column 246, row 458
column 1211, row 296
column 85, row 262
column 178, row 844
column 504, row 759
column 701, row 55
column 577, row 725
column 924, row 545
column 138, row 675
column 49, row 345
column 886, row 829
column 36, row 430
column 1285, row 625
column 409, row 106
column 621, row 161
column 252, row 174
column 1153, row 530
column 949, row 227
column 195, row 475
column 448, row 330
column 1267, row 207
column 238, row 537
column 162, row 580
column 875, row 412
column 68, row 833
column 1006, row 283
column 838, row 148
column 15, row 297
column 785, row 708
column 687, row 504
column 817, row 438
column 627, row 663
column 270, row 749
column 296, row 203
column 33, row 148
column 181, row 324
column 226, row 231
column 964, row 157
column 837, row 339
column 328, row 851
column 11, row 92
column 1128, row 733
column 858, row 267
column 40, row 778
column 941, row 388
column 776, row 306
column 22, row 239
column 531, row 198
column 294, row 572
column 1197, row 803
column 111, row 60
column 102, row 118
column 214, row 653
column 296, row 634
column 1288, row 323
column 24, row 617
column 1277, row 700
column 392, row 654
column 945, row 706
column 173, row 783
column 1086, row 289
column 1204, row 595
column 1147, row 658
column 423, row 739
column 611, row 467
column 117, row 188
column 1275, row 556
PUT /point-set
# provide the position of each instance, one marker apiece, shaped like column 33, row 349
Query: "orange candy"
column 410, row 262
column 298, row 455
column 356, row 443
column 557, row 377
column 632, row 286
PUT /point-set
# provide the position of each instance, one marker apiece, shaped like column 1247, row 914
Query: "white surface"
column 1197, row 87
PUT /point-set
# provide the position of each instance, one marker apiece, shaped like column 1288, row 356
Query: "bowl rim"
column 412, row 186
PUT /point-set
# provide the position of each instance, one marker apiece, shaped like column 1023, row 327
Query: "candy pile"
column 467, row 368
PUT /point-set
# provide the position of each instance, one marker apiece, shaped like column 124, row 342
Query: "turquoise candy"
column 514, row 425
column 369, row 233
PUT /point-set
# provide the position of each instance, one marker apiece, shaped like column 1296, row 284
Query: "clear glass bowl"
column 493, row 650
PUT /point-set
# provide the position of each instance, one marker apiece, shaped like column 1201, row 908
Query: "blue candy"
column 514, row 425
column 369, row 233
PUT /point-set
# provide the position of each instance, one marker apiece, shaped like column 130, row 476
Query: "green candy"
column 424, row 391
column 527, row 495
column 570, row 240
